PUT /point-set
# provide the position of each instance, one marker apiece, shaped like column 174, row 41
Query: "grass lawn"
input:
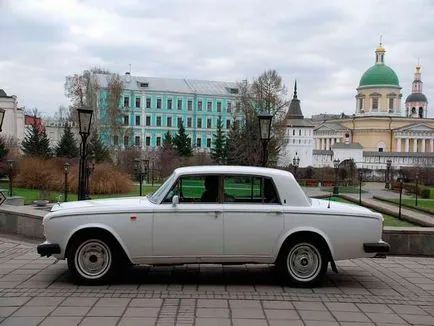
column 424, row 203
column 344, row 189
column 388, row 220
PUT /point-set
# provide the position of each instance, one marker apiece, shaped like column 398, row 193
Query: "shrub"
column 106, row 179
column 425, row 193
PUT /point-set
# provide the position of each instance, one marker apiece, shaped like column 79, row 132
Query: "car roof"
column 232, row 169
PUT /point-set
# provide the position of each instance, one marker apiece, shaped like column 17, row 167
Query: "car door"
column 191, row 231
column 252, row 226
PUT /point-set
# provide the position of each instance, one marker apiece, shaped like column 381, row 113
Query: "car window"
column 195, row 189
column 249, row 189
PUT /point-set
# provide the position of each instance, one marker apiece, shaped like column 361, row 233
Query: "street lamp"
column 360, row 187
column 417, row 185
column 66, row 167
column 10, row 169
column 264, row 131
column 388, row 166
column 140, row 172
column 90, row 167
column 84, row 122
column 2, row 117
column 400, row 197
column 336, row 166
column 296, row 164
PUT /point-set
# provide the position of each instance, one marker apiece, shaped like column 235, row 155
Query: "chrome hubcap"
column 304, row 262
column 93, row 259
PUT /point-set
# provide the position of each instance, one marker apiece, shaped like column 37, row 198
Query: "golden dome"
column 417, row 67
column 380, row 48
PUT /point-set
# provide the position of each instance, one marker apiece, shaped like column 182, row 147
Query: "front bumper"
column 380, row 247
column 47, row 249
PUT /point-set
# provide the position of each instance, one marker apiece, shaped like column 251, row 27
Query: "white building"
column 13, row 123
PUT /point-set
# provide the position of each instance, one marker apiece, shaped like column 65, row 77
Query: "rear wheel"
column 92, row 260
column 304, row 262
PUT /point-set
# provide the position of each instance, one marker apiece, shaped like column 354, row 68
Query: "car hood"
column 94, row 203
column 346, row 208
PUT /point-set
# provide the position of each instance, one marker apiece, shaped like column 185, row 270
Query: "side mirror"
column 175, row 200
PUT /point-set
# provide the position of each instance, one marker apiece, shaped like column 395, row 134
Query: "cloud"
column 326, row 45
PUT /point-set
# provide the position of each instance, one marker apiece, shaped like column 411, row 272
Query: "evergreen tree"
column 233, row 142
column 167, row 140
column 36, row 142
column 218, row 151
column 182, row 142
column 67, row 146
column 3, row 149
column 97, row 147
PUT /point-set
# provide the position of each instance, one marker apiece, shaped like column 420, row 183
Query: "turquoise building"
column 152, row 106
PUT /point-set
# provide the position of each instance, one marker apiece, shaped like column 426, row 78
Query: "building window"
column 137, row 141
column 148, row 120
column 229, row 107
column 199, row 106
column 375, row 104
column 199, row 122
column 190, row 105
column 126, row 120
column 360, row 104
column 116, row 140
column 228, row 124
column 299, row 132
column 391, row 103
column 169, row 104
column 188, row 122
column 148, row 141
column 179, row 121
column 420, row 112
column 208, row 123
column 137, row 120
column 199, row 142
column 180, row 104
column 293, row 132
column 126, row 101
column 219, row 107
column 209, row 106
column 148, row 102
column 238, row 107
column 126, row 141
column 137, row 102
column 169, row 122
column 208, row 142
column 158, row 141
column 158, row 103
column 158, row 121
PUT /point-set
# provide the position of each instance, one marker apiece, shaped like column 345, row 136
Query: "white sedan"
column 213, row 214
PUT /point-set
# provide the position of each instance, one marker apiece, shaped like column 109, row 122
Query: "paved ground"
column 37, row 291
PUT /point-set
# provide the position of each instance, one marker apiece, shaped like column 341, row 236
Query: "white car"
column 213, row 214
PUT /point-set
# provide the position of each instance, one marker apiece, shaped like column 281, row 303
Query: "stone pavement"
column 37, row 291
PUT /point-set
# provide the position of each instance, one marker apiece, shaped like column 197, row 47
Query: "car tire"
column 93, row 260
column 303, row 262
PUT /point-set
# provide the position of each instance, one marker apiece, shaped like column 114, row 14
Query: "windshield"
column 155, row 197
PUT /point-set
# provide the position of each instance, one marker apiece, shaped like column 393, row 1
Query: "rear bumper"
column 47, row 249
column 376, row 247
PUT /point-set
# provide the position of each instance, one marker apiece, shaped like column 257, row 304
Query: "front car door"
column 191, row 231
column 253, row 218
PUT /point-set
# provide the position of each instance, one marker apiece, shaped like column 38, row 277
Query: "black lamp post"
column 264, row 131
column 360, row 187
column 141, row 168
column 10, row 170
column 400, row 197
column 2, row 117
column 90, row 167
column 66, row 167
column 417, row 186
column 388, row 166
column 84, row 122
column 296, row 164
column 336, row 167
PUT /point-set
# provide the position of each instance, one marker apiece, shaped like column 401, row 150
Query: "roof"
column 172, row 85
column 294, row 111
column 347, row 146
column 299, row 123
column 379, row 74
column 332, row 126
column 216, row 169
column 416, row 97
column 3, row 93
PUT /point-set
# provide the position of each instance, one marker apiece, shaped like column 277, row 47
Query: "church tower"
column 416, row 104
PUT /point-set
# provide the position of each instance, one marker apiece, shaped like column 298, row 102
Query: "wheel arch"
column 303, row 232
column 93, row 229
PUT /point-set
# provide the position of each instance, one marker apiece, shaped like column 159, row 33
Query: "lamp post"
column 141, row 167
column 66, row 167
column 90, row 167
column 2, row 117
column 10, row 170
column 388, row 166
column 417, row 186
column 296, row 164
column 336, row 166
column 264, row 132
column 360, row 187
column 400, row 197
column 84, row 122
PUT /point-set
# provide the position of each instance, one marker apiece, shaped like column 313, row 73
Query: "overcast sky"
column 325, row 45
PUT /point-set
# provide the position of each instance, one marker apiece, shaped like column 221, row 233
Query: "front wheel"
column 304, row 262
column 92, row 260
